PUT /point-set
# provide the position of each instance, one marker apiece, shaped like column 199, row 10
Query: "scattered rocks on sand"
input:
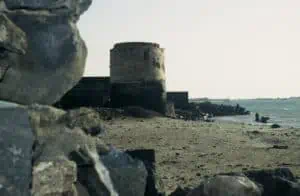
column 275, row 126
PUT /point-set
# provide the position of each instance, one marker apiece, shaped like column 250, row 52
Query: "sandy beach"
column 188, row 151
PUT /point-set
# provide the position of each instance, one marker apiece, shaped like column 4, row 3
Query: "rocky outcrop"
column 86, row 118
column 277, row 182
column 227, row 186
column 69, row 7
column 61, row 171
column 47, row 55
column 112, row 174
column 16, row 141
column 60, row 138
column 266, row 182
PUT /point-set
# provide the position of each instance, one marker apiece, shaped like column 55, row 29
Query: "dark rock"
column 81, row 190
column 277, row 182
column 227, row 186
column 88, row 175
column 54, row 137
column 128, row 175
column 115, row 173
column 264, row 119
column 280, row 147
column 154, row 186
column 275, row 126
column 179, row 191
column 42, row 53
column 257, row 119
column 139, row 112
column 16, row 142
column 57, row 64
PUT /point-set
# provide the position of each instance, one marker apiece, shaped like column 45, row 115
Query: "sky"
column 213, row 48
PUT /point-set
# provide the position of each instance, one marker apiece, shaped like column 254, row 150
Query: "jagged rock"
column 44, row 53
column 13, row 44
column 12, row 38
column 55, row 177
column 154, row 186
column 54, row 61
column 53, row 136
column 179, row 191
column 112, row 174
column 87, row 119
column 16, row 141
column 74, row 7
column 128, row 174
column 227, row 186
column 277, row 182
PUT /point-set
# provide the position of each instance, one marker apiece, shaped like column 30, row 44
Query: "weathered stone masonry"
column 137, row 74
column 89, row 92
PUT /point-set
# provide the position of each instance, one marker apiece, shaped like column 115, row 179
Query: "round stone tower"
column 137, row 76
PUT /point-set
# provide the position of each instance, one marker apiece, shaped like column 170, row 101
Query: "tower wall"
column 137, row 73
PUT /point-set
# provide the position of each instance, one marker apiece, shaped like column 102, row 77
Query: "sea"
column 285, row 112
column 282, row 111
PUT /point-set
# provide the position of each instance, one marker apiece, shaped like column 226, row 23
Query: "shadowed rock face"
column 16, row 141
column 47, row 56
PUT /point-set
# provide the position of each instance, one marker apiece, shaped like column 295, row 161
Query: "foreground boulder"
column 16, row 141
column 55, row 177
column 112, row 174
column 55, row 138
column 53, row 54
column 13, row 44
column 227, row 186
column 100, row 170
column 274, row 182
column 277, row 182
column 154, row 186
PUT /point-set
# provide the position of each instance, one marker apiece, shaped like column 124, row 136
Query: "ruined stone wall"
column 89, row 92
column 180, row 99
column 137, row 73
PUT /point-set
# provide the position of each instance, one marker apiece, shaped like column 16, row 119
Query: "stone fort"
column 137, row 77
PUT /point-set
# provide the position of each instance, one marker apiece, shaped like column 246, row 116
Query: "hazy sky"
column 213, row 48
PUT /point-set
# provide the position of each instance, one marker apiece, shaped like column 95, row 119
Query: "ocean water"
column 285, row 112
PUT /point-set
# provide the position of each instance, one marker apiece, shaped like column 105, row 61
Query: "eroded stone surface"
column 16, row 141
column 53, row 64
column 227, row 186
column 55, row 177
column 42, row 55
column 75, row 7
